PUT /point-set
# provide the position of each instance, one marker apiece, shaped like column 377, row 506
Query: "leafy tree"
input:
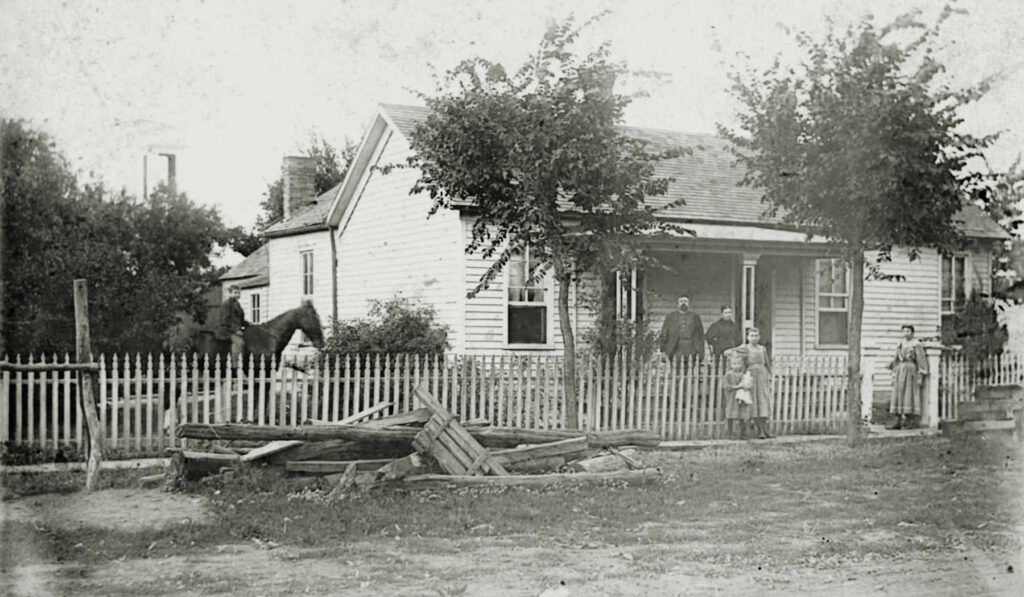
column 331, row 166
column 243, row 241
column 396, row 326
column 861, row 144
column 1005, row 202
column 538, row 155
column 145, row 261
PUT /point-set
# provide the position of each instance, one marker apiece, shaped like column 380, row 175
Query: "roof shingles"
column 706, row 183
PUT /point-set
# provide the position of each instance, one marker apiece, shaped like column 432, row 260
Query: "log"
column 150, row 481
column 402, row 467
column 646, row 475
column 195, row 465
column 339, row 449
column 546, row 464
column 491, row 437
column 536, row 451
column 223, row 450
column 327, row 467
column 605, row 463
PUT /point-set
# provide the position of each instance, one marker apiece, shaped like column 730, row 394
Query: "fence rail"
column 142, row 399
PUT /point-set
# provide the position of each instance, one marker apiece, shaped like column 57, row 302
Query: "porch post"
column 747, row 291
column 930, row 397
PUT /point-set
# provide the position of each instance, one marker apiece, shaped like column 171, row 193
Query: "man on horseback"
column 232, row 322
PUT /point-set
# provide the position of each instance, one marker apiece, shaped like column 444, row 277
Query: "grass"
column 20, row 484
column 810, row 505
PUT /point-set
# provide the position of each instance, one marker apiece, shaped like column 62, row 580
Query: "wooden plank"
column 325, row 467
column 363, row 414
column 272, row 448
column 567, row 479
column 413, row 417
column 87, row 383
column 137, row 431
column 531, row 452
column 422, row 444
column 5, row 407
column 450, row 439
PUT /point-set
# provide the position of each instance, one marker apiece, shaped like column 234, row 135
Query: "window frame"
column 307, row 273
column 967, row 282
column 255, row 308
column 546, row 283
column 818, row 295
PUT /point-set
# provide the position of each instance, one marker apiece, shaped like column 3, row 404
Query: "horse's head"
column 309, row 323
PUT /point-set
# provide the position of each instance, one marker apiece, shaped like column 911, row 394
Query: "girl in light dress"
column 736, row 385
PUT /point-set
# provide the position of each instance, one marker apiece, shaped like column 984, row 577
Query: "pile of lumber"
column 425, row 447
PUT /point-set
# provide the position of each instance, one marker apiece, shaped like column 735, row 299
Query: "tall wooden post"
column 87, row 382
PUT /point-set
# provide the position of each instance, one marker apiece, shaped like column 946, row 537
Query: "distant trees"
column 146, row 261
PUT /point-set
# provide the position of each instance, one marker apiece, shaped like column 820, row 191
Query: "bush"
column 396, row 326
column 976, row 328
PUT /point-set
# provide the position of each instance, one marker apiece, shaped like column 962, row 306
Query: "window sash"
column 832, row 300
column 307, row 273
column 254, row 308
column 954, row 283
column 528, row 302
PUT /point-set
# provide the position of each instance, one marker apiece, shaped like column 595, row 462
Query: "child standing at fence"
column 736, row 385
column 756, row 358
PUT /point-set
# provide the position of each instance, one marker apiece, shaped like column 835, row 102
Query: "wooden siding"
column 285, row 269
column 485, row 329
column 246, row 301
column 389, row 247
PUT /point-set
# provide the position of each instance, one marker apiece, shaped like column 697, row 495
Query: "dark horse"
column 268, row 340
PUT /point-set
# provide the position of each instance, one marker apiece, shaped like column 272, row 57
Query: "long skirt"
column 761, row 392
column 906, row 391
column 734, row 409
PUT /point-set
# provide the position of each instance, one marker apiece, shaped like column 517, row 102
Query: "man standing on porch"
column 682, row 334
column 723, row 334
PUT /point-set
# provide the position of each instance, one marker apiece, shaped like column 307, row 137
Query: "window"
column 955, row 282
column 254, row 308
column 527, row 301
column 628, row 295
column 307, row 273
column 832, row 292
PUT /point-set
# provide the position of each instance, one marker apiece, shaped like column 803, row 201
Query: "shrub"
column 976, row 328
column 395, row 326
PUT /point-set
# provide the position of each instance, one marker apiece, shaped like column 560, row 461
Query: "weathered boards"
column 449, row 444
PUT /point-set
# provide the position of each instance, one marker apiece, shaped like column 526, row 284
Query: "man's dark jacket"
column 682, row 334
column 232, row 319
column 722, row 335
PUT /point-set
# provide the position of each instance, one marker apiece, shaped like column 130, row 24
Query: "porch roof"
column 707, row 182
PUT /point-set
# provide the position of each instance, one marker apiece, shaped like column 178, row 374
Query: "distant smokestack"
column 172, row 172
column 297, row 173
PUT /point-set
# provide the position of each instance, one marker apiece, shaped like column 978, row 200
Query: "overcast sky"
column 234, row 86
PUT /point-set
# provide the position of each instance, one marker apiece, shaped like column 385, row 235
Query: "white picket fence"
column 959, row 377
column 141, row 399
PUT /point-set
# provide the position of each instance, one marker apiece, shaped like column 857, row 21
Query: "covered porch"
column 789, row 287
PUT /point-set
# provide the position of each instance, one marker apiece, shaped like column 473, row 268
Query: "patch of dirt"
column 123, row 509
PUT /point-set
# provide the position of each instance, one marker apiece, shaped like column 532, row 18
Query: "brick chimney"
column 297, row 173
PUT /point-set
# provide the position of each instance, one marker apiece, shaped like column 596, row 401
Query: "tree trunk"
column 568, row 348
column 854, row 424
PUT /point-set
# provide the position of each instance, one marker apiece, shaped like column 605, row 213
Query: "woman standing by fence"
column 909, row 368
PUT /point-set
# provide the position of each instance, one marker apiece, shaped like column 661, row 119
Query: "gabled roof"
column 256, row 264
column 706, row 181
column 311, row 218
